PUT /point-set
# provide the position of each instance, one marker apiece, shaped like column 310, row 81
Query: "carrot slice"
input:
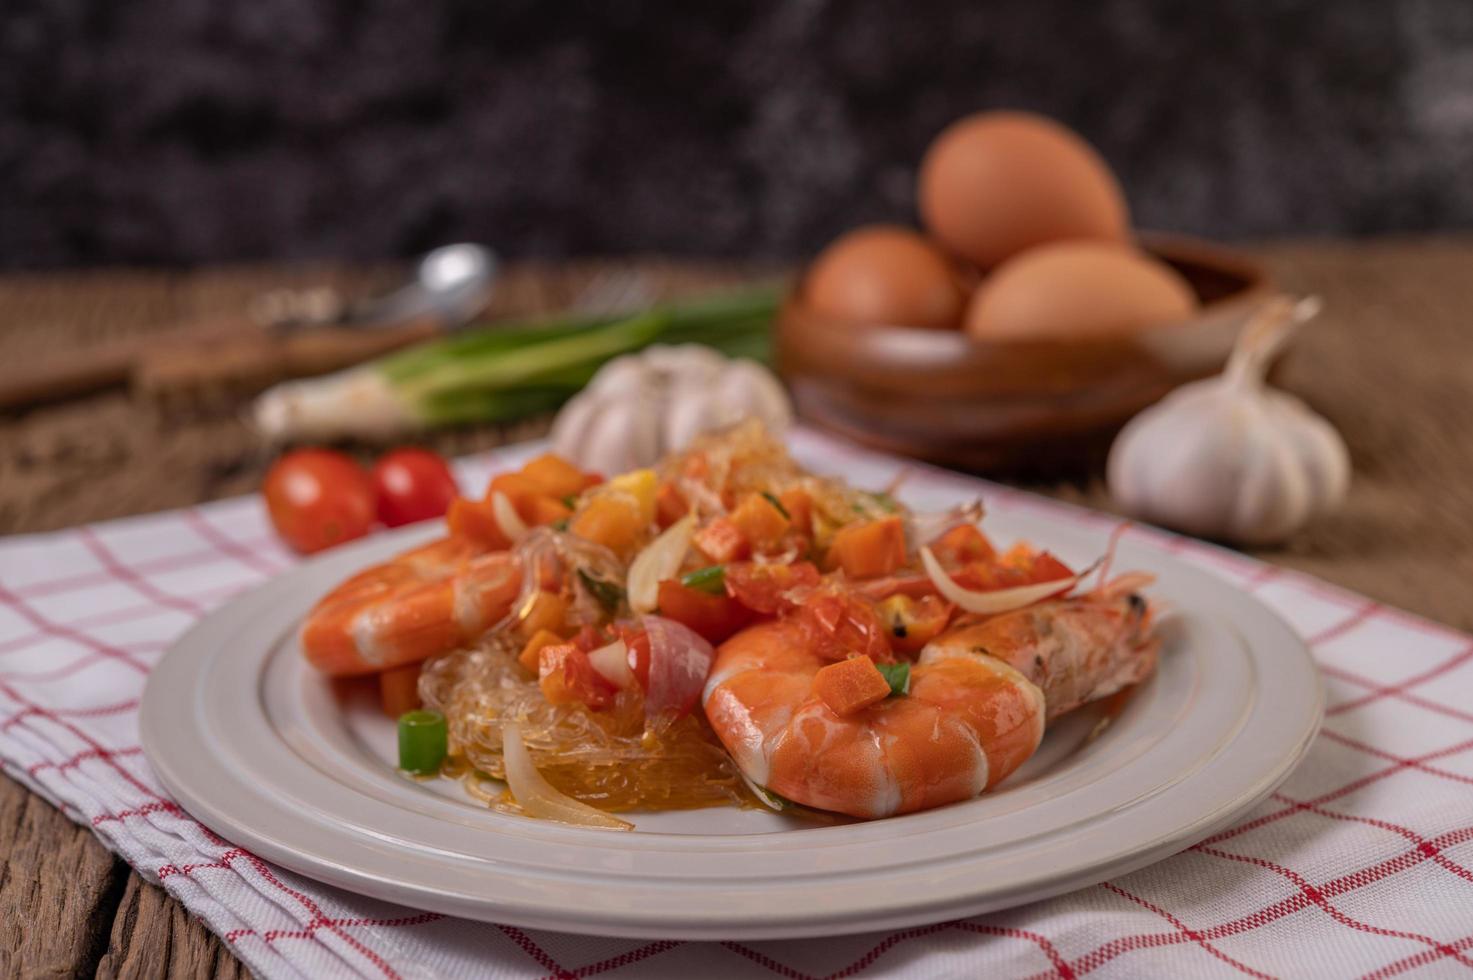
column 554, row 476
column 398, row 689
column 612, row 521
column 670, row 506
column 760, row 520
column 530, row 653
column 869, row 549
column 548, row 510
column 474, row 520
column 799, row 505
column 546, row 611
column 850, row 685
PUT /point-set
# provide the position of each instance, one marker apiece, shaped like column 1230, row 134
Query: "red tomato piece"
column 768, row 589
column 722, row 541
column 714, row 617
column 962, row 546
column 412, row 485
column 318, row 498
column 565, row 675
column 840, row 623
column 991, row 575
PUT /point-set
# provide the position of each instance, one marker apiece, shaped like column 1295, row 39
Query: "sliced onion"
column 536, row 795
column 680, row 660
column 660, row 560
column 612, row 664
column 764, row 795
column 996, row 600
column 507, row 518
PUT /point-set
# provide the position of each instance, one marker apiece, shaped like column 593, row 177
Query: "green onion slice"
column 898, row 677
column 710, row 580
column 423, row 737
column 778, row 504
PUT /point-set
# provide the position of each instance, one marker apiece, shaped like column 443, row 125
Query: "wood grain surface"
column 1390, row 363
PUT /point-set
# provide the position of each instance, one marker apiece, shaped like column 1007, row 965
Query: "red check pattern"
column 1361, row 864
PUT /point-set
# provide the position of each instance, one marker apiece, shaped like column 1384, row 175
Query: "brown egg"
column 886, row 274
column 995, row 183
column 1077, row 289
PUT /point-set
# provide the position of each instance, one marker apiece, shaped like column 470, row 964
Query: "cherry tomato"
column 412, row 485
column 318, row 498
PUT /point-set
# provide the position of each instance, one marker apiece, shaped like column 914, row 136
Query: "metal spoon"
column 451, row 285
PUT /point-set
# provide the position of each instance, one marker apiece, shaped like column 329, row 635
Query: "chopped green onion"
column 710, row 580
column 608, row 594
column 561, row 525
column 778, row 504
column 898, row 677
column 423, row 737
column 570, row 501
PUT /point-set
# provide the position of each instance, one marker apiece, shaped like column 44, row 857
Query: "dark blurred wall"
column 180, row 131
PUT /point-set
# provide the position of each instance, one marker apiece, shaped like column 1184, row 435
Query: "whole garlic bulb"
column 1228, row 457
column 641, row 406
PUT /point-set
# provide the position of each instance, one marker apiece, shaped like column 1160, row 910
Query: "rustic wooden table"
column 1391, row 363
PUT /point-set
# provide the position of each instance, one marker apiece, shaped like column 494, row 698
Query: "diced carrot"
column 670, row 505
column 612, row 521
column 554, row 476
column 714, row 617
column 962, row 546
column 869, row 549
column 850, row 685
column 545, row 611
column 398, row 689
column 799, row 505
column 722, row 541
column 548, row 510
column 520, row 489
column 566, row 676
column 760, row 521
column 529, row 657
column 473, row 520
column 913, row 622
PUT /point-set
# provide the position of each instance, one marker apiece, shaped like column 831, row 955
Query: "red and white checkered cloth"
column 1362, row 863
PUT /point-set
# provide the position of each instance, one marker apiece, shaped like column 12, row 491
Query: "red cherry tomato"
column 770, row 588
column 412, row 485
column 318, row 498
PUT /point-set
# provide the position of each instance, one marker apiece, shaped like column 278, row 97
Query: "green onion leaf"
column 898, row 677
column 561, row 525
column 710, row 580
column 423, row 738
column 608, row 594
column 778, row 504
column 570, row 501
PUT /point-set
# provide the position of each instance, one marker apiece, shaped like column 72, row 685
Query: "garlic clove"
column 1326, row 458
column 748, row 389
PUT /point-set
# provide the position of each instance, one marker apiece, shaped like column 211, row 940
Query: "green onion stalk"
column 503, row 372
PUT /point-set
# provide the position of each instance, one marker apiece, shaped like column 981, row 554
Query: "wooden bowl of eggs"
column 1025, row 326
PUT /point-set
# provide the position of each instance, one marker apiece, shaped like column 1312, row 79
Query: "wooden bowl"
column 1024, row 407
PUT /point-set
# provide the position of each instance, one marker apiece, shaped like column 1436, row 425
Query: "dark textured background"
column 183, row 131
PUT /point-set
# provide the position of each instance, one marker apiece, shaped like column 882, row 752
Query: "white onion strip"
column 612, row 664
column 537, row 797
column 507, row 518
column 660, row 560
column 996, row 600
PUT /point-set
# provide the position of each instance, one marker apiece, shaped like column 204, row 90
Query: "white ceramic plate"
column 301, row 771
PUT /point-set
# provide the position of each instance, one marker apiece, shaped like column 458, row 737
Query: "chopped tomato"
column 912, row 623
column 722, row 541
column 714, row 617
column 566, row 676
column 1019, row 570
column 765, row 588
column 962, row 546
column 869, row 549
column 841, row 624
